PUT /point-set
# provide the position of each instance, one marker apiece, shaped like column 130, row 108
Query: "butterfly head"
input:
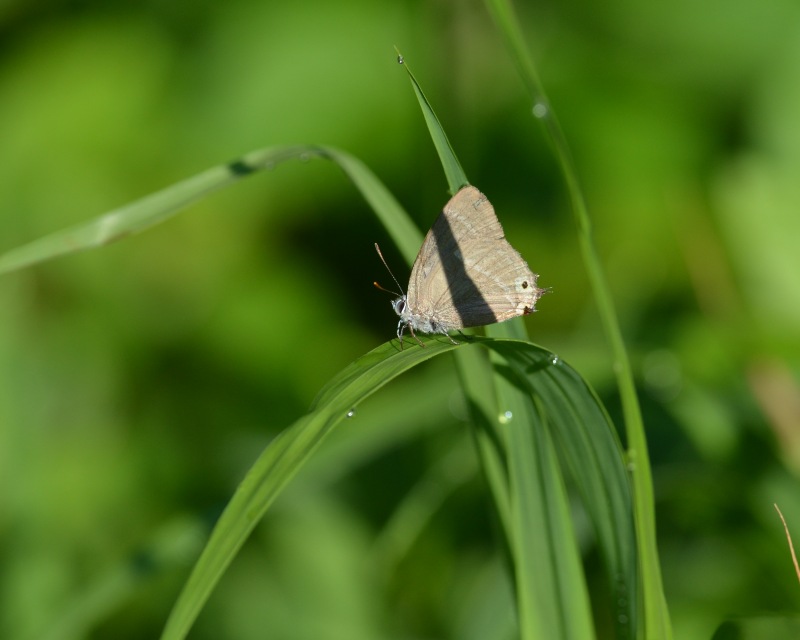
column 399, row 305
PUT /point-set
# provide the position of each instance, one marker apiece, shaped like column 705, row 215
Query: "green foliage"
column 139, row 383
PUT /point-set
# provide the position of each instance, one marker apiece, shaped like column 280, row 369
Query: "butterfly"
column 466, row 273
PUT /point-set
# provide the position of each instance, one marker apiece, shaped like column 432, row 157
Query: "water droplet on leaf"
column 540, row 110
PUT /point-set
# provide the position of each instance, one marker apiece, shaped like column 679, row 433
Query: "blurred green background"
column 139, row 382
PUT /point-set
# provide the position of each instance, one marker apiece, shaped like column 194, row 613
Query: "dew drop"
column 351, row 413
column 505, row 417
column 400, row 60
column 630, row 460
column 555, row 359
column 540, row 110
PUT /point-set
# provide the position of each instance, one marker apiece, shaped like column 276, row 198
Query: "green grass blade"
column 162, row 205
column 477, row 383
column 138, row 215
column 585, row 437
column 552, row 597
column 397, row 222
column 456, row 178
column 656, row 614
column 475, row 372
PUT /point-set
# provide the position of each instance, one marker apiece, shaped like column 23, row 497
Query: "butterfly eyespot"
column 524, row 284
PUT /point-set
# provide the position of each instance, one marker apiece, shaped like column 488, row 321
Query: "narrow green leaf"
column 397, row 222
column 584, row 435
column 477, row 383
column 656, row 622
column 552, row 597
column 456, row 178
column 162, row 205
column 474, row 370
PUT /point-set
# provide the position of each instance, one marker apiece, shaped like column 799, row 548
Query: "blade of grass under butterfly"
column 656, row 614
column 474, row 369
column 162, row 205
column 286, row 455
column 471, row 367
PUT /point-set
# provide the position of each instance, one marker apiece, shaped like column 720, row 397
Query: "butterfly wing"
column 466, row 273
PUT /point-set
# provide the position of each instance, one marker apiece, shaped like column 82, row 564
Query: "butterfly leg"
column 400, row 326
column 411, row 329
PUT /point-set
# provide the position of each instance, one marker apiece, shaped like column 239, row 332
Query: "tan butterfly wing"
column 466, row 273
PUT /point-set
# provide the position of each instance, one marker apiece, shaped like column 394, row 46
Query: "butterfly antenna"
column 380, row 255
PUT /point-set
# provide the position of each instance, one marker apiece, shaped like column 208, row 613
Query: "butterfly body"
column 466, row 273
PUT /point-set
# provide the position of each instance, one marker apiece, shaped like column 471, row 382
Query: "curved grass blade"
column 475, row 372
column 280, row 461
column 528, row 366
column 162, row 205
column 397, row 222
column 656, row 614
